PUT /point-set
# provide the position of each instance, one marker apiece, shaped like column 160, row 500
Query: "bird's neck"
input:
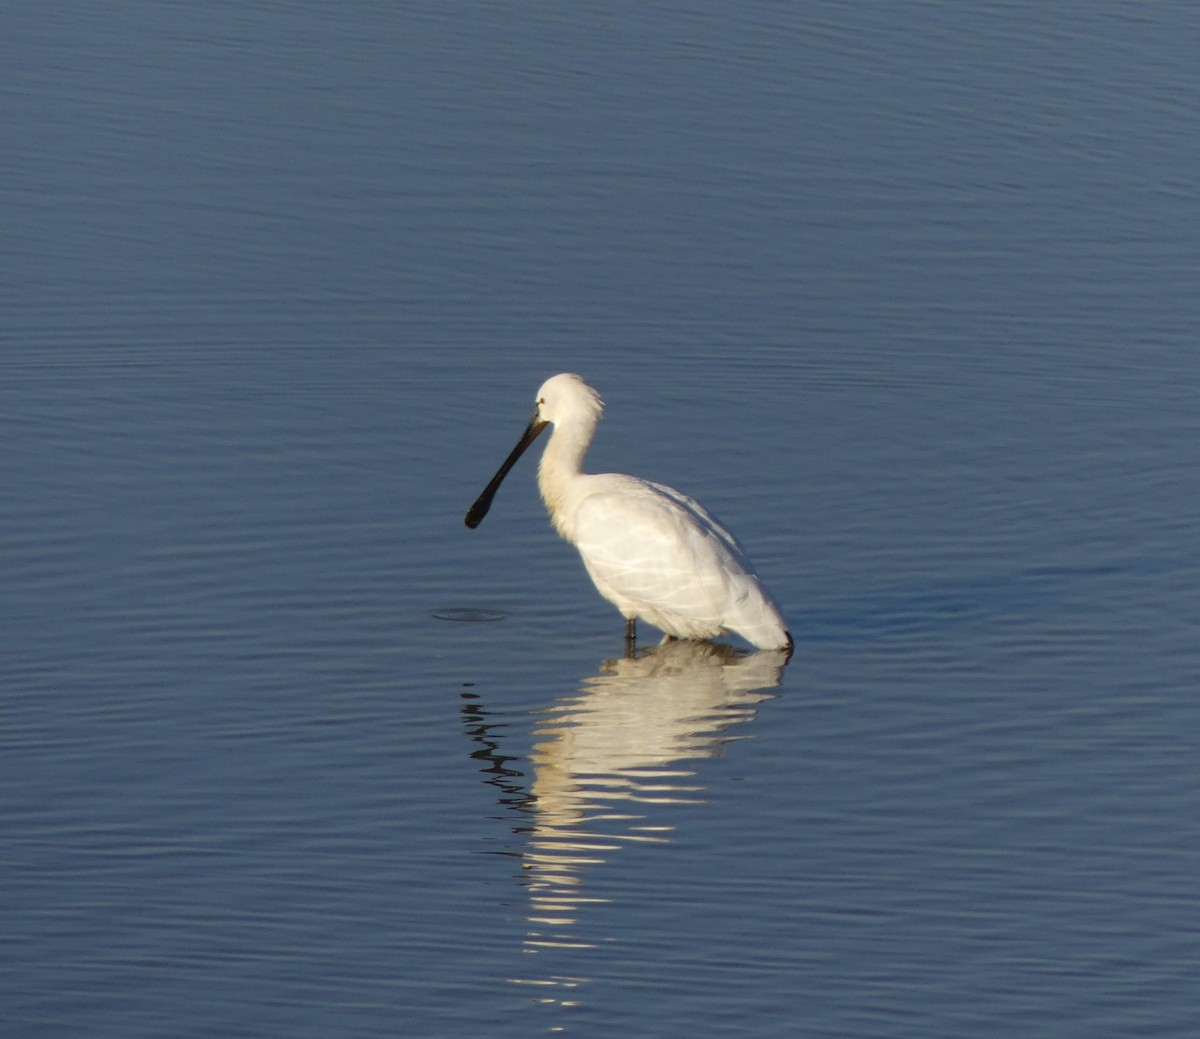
column 560, row 467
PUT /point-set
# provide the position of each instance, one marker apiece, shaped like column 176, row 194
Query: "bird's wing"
column 650, row 544
column 701, row 516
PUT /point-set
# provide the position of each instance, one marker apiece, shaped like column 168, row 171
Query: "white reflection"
column 608, row 760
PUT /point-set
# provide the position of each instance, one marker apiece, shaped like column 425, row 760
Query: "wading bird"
column 652, row 552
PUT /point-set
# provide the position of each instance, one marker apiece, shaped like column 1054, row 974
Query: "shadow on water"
column 606, row 762
column 938, row 607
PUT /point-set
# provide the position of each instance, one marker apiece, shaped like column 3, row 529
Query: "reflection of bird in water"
column 652, row 552
column 644, row 713
column 604, row 757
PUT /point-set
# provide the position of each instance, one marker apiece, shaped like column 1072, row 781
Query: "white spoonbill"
column 652, row 552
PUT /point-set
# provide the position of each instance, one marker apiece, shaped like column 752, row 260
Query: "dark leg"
column 630, row 637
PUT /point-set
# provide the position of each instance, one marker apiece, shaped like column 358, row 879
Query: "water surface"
column 906, row 297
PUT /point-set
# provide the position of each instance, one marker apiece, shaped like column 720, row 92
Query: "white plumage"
column 652, row 552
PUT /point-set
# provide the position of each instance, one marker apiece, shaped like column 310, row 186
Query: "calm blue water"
column 906, row 295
